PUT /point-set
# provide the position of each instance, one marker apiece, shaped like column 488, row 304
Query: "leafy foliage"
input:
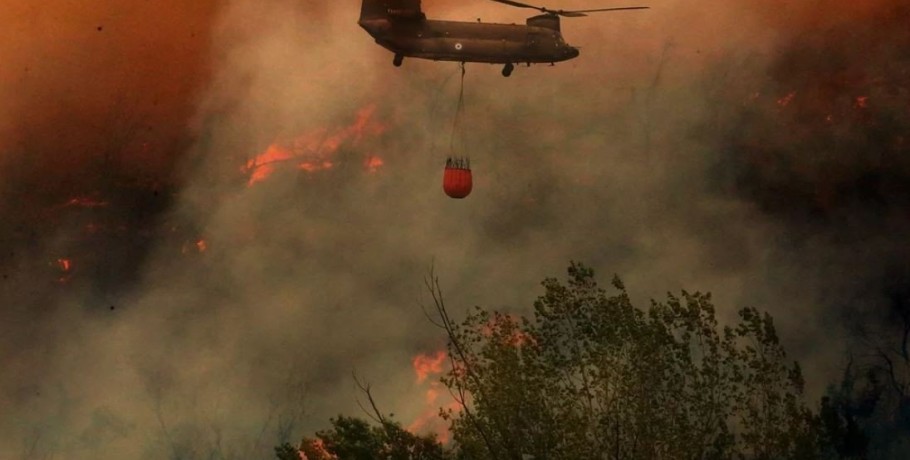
column 355, row 439
column 591, row 376
column 287, row 452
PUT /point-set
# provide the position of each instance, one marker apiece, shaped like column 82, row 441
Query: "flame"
column 319, row 446
column 786, row 100
column 506, row 326
column 312, row 151
column 372, row 164
column 85, row 202
column 65, row 265
column 197, row 246
column 262, row 166
column 426, row 365
column 861, row 102
column 430, row 421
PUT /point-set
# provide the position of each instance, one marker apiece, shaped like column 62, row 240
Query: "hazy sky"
column 153, row 299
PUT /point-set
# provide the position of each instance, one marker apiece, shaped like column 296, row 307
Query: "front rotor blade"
column 519, row 4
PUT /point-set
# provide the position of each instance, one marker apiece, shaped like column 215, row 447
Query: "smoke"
column 202, row 313
column 819, row 146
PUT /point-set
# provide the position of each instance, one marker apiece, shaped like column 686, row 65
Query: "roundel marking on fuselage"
column 458, row 46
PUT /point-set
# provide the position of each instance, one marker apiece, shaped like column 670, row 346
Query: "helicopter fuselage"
column 471, row 42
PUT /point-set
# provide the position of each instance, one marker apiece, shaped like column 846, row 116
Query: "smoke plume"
column 213, row 214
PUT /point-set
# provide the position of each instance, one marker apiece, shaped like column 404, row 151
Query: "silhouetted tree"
column 355, row 439
column 591, row 376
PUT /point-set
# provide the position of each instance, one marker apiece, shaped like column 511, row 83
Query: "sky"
column 215, row 212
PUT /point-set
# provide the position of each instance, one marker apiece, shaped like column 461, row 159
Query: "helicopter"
column 401, row 27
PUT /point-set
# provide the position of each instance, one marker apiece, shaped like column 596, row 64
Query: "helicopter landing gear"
column 398, row 60
column 507, row 70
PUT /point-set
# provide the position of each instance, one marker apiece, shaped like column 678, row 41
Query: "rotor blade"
column 569, row 14
column 564, row 13
column 520, row 5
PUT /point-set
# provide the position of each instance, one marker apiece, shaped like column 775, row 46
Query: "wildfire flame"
column 427, row 365
column 786, row 100
column 65, row 265
column 85, row 202
column 505, row 328
column 319, row 446
column 373, row 164
column 312, row 151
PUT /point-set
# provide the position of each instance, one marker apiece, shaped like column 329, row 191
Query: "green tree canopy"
column 355, row 439
column 590, row 376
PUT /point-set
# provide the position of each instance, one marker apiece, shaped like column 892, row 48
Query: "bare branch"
column 891, row 374
column 365, row 388
column 432, row 284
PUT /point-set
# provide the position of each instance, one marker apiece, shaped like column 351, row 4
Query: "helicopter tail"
column 390, row 9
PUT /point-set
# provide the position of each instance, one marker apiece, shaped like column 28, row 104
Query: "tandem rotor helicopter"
column 402, row 28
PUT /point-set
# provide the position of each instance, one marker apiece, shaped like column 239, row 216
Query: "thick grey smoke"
column 819, row 146
column 200, row 308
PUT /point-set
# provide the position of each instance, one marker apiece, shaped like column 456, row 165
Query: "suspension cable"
column 458, row 112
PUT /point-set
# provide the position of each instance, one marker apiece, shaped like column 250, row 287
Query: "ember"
column 86, row 202
column 786, row 100
column 65, row 265
column 373, row 164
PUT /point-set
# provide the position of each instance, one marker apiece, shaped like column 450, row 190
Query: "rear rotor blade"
column 568, row 13
column 605, row 9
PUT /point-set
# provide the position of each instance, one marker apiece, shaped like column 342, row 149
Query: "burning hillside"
column 828, row 136
column 314, row 150
column 823, row 150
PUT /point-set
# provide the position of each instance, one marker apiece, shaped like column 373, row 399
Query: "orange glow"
column 506, row 327
column 436, row 397
column 861, row 102
column 430, row 421
column 373, row 164
column 85, row 202
column 786, row 100
column 311, row 166
column 65, row 264
column 312, row 151
column 198, row 246
column 426, row 365
column 263, row 165
column 319, row 446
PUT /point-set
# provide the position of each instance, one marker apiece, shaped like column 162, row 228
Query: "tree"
column 867, row 415
column 591, row 376
column 355, row 439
